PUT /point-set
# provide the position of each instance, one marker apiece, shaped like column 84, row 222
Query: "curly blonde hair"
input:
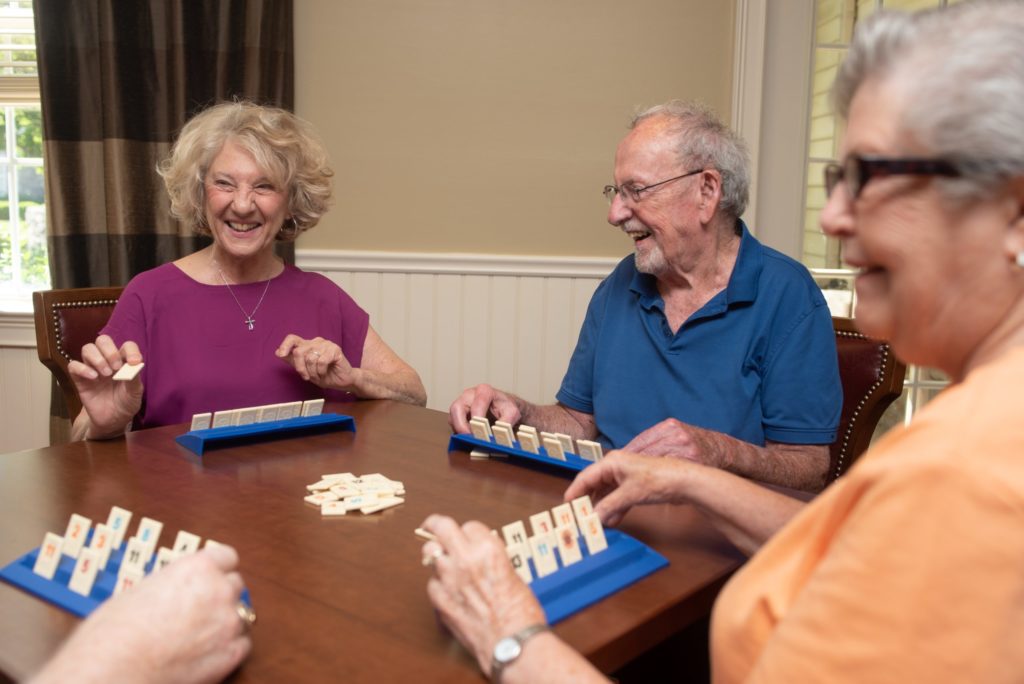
column 283, row 145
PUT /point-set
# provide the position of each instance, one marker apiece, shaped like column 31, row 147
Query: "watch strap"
column 520, row 637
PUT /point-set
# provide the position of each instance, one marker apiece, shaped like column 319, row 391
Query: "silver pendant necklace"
column 250, row 319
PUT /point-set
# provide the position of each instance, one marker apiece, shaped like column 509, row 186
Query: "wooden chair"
column 872, row 378
column 66, row 320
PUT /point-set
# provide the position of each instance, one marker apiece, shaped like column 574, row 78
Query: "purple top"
column 200, row 355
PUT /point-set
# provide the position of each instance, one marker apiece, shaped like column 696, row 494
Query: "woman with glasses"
column 232, row 325
column 911, row 567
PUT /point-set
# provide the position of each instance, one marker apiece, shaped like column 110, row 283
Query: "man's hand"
column 483, row 400
column 674, row 438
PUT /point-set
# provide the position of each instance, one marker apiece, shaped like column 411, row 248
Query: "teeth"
column 242, row 227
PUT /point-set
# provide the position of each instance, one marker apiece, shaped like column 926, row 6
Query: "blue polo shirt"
column 757, row 362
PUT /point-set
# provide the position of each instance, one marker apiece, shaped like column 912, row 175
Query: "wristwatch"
column 508, row 649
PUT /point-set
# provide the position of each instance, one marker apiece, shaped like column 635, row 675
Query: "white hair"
column 961, row 72
column 703, row 140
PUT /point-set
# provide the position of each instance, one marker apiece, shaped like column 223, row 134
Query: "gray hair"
column 961, row 70
column 703, row 139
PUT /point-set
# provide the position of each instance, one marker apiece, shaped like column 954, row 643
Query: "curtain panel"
column 117, row 82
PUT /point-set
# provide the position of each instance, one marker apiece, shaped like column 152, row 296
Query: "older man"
column 703, row 344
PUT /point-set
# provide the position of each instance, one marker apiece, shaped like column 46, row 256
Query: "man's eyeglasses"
column 857, row 170
column 634, row 193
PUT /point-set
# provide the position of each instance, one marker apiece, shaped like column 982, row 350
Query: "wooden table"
column 337, row 598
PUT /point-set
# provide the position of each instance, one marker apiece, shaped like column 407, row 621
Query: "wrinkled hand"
column 475, row 590
column 674, row 438
column 178, row 625
column 622, row 480
column 318, row 361
column 482, row 400
column 110, row 404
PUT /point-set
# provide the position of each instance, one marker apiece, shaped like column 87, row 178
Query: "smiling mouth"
column 242, row 227
column 638, row 235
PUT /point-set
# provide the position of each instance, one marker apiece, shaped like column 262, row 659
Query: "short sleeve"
column 577, row 390
column 802, row 394
column 355, row 323
column 128, row 320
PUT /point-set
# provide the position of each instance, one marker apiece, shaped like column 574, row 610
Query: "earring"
column 1020, row 258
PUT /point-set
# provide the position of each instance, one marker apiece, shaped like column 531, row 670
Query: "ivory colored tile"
column 322, row 485
column 201, row 421
column 542, row 549
column 49, row 555
column 135, row 556
column 320, row 498
column 332, row 508
column 118, row 522
column 528, row 442
column 289, row 410
column 478, row 455
column 503, row 435
column 568, row 546
column 84, row 574
column 582, row 507
column 564, row 518
column 566, row 442
column 186, row 543
column 149, row 534
column 127, row 579
column 127, row 372
column 164, row 557
column 530, row 429
column 589, row 450
column 343, row 491
column 515, row 533
column 541, row 523
column 268, row 413
column 593, row 532
column 382, row 504
column 480, row 429
column 248, row 416
column 223, row 419
column 312, row 407
column 75, row 534
column 554, row 448
column 519, row 556
column 102, row 544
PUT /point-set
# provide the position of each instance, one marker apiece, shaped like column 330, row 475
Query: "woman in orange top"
column 910, row 568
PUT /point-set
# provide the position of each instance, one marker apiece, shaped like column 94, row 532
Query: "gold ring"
column 430, row 558
column 247, row 615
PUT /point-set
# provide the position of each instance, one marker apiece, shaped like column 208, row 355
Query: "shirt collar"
column 742, row 287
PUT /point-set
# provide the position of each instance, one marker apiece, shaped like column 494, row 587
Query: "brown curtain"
column 117, row 81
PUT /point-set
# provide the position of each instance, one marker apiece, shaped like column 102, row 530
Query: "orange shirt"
column 908, row 569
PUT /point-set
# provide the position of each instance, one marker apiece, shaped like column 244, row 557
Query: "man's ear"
column 710, row 194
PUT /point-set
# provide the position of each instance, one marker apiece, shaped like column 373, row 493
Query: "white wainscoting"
column 463, row 319
column 24, row 386
column 459, row 319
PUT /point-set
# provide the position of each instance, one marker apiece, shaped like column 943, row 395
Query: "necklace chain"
column 249, row 320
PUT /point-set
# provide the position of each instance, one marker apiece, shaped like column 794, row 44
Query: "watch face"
column 507, row 650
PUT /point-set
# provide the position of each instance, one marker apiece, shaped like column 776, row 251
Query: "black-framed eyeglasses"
column 856, row 170
column 634, row 193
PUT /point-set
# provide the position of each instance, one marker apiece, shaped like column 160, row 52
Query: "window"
column 23, row 258
column 834, row 22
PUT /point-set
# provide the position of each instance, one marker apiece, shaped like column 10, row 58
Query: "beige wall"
column 489, row 126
